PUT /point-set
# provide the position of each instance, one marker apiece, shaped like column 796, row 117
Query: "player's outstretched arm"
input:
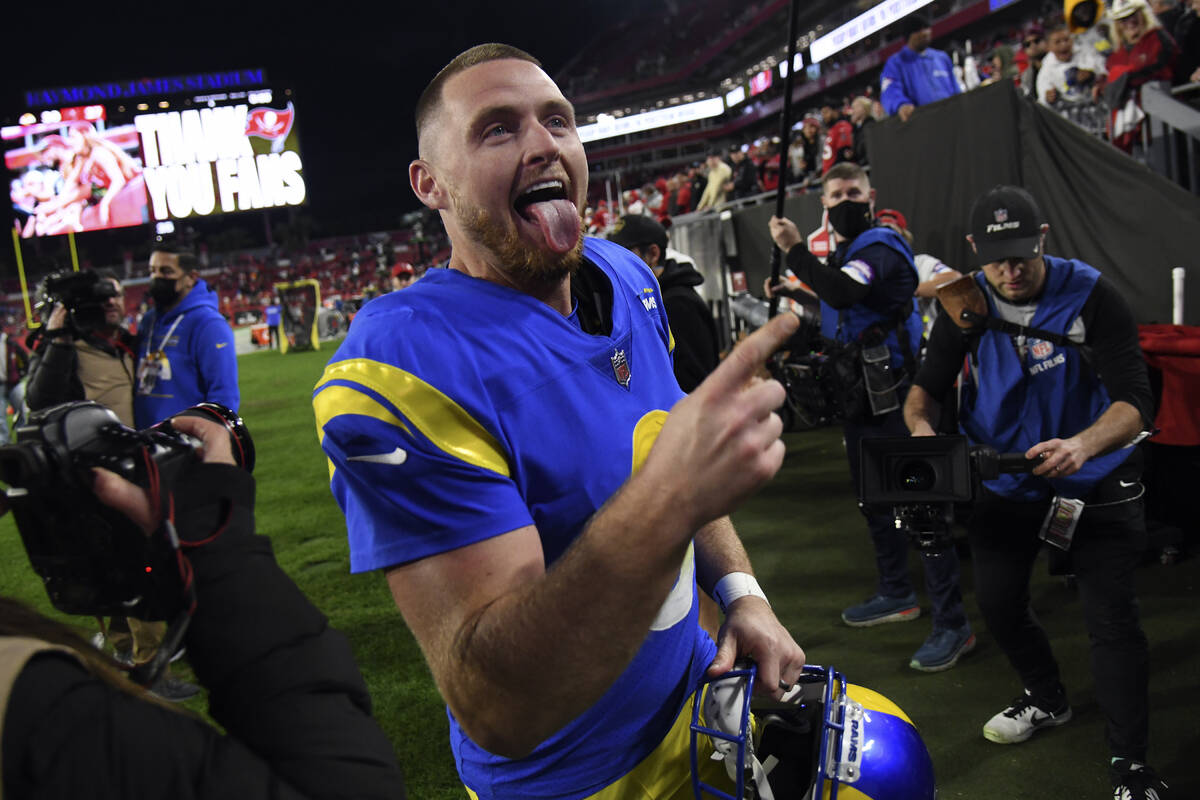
column 518, row 650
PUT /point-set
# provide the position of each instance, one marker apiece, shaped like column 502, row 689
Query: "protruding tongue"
column 560, row 223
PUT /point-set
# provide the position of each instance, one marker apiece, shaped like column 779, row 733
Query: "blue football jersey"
column 458, row 410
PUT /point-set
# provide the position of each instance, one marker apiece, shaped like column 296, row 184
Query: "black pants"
column 891, row 545
column 1106, row 549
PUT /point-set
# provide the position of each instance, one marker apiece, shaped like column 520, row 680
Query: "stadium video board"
column 120, row 164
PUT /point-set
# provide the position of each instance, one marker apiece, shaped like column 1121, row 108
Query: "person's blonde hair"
column 1149, row 23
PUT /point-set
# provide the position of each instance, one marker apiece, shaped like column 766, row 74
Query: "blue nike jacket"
column 917, row 78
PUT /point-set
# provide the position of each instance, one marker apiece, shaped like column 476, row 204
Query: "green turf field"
column 812, row 556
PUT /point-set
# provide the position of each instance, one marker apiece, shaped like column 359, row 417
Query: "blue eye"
column 496, row 130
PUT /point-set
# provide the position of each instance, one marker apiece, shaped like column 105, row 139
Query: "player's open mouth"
column 540, row 192
column 547, row 206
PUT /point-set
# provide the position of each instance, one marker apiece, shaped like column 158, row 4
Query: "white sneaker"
column 1019, row 721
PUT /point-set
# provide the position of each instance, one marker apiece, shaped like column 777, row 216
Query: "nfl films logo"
column 1001, row 215
column 1041, row 349
column 621, row 368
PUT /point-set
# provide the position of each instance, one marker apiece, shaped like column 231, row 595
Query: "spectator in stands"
column 680, row 195
column 717, row 176
column 839, row 137
column 1003, row 65
column 186, row 352
column 861, row 119
column 1187, row 36
column 745, row 175
column 1142, row 52
column 917, row 74
column 688, row 315
column 810, row 142
column 402, row 276
column 1168, row 13
column 1083, row 19
column 1069, row 76
column 768, row 170
column 1035, row 52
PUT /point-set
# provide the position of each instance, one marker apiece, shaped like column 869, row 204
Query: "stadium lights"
column 607, row 125
column 735, row 96
column 862, row 26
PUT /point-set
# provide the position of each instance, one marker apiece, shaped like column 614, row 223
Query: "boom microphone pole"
column 785, row 131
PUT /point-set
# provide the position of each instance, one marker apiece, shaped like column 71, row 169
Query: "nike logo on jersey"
column 221, row 344
column 397, row 456
column 1126, row 485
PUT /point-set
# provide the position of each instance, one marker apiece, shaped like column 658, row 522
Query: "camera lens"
column 916, row 476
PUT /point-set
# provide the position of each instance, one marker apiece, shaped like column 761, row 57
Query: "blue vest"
column 1012, row 405
column 849, row 323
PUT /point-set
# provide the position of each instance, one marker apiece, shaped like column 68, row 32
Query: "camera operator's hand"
column 785, row 233
column 923, row 428
column 58, row 318
column 132, row 500
column 1060, row 457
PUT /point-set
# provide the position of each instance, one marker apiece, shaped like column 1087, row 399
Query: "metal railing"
column 1173, row 114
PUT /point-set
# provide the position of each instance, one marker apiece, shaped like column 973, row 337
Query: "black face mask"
column 850, row 218
column 164, row 292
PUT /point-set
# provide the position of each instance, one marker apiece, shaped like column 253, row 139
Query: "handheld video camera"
column 921, row 478
column 83, row 294
column 93, row 559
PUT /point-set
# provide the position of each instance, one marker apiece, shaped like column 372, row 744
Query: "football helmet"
column 826, row 739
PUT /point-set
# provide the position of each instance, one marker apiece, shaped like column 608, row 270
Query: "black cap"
column 1006, row 223
column 635, row 230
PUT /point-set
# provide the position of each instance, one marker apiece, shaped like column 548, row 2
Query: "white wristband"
column 736, row 585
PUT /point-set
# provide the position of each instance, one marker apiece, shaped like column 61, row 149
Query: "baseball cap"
column 891, row 216
column 1006, row 223
column 635, row 230
column 402, row 268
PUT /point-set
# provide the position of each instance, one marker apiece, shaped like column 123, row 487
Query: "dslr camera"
column 82, row 293
column 922, row 478
column 93, row 559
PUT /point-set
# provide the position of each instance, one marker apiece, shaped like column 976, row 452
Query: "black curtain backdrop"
column 1103, row 207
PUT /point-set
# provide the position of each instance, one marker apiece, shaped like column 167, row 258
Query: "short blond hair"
column 431, row 97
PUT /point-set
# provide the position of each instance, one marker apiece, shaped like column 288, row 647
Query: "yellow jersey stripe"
column 435, row 415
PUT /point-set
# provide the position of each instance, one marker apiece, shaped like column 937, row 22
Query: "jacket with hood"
column 192, row 347
column 691, row 323
column 916, row 78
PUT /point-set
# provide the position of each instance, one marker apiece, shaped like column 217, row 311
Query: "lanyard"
column 162, row 345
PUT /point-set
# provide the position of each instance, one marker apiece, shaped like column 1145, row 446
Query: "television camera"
column 83, row 294
column 921, row 479
column 92, row 559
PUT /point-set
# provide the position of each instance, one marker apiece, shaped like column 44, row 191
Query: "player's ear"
column 426, row 186
column 971, row 239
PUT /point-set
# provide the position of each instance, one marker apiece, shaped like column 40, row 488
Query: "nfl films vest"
column 849, row 323
column 1013, row 405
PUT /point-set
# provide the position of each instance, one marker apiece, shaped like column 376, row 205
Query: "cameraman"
column 281, row 682
column 866, row 294
column 1072, row 408
column 85, row 354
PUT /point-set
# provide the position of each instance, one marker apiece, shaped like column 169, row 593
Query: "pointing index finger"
column 751, row 353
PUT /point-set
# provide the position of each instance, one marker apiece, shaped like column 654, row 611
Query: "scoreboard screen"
column 114, row 165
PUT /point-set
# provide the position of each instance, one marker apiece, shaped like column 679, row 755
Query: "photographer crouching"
column 1054, row 373
column 281, row 682
column 83, row 352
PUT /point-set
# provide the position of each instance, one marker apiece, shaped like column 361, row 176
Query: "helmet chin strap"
column 726, row 711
